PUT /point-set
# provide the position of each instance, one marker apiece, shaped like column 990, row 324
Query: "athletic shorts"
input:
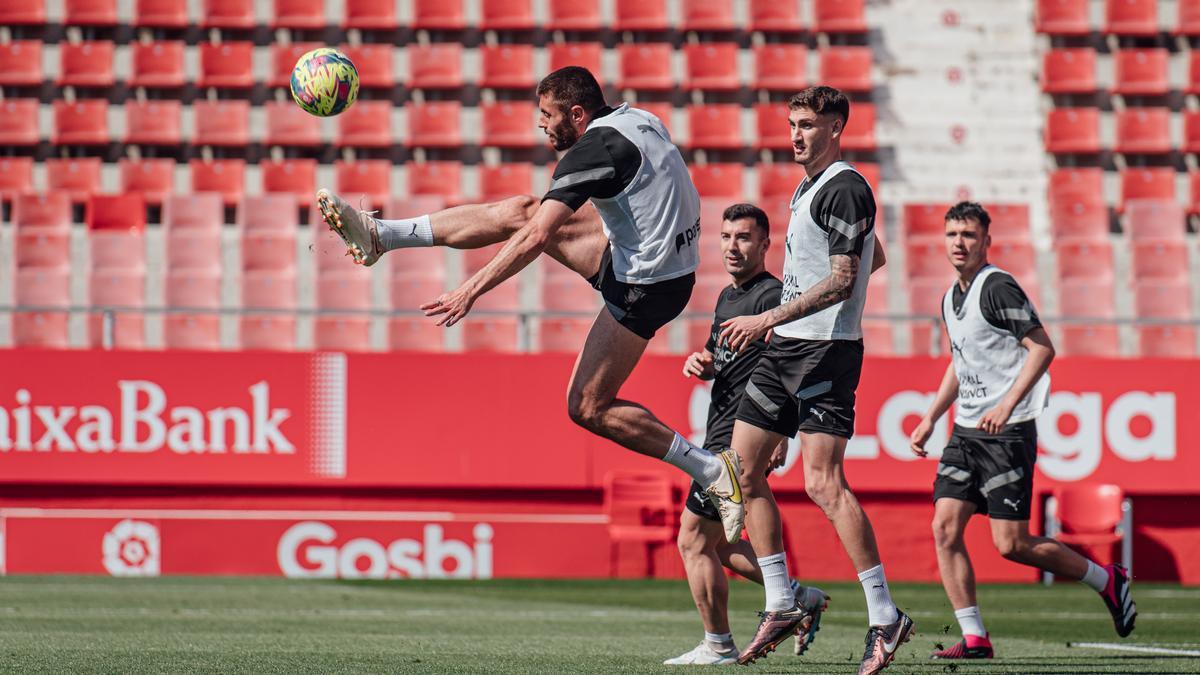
column 992, row 471
column 804, row 385
column 642, row 308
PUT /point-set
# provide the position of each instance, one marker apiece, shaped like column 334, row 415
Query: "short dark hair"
column 739, row 211
column 573, row 86
column 822, row 100
column 970, row 211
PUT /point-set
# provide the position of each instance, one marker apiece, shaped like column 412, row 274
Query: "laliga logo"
column 306, row 551
column 132, row 549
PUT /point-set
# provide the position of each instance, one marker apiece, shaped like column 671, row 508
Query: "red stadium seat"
column 160, row 64
column 371, row 15
column 84, row 122
column 1194, row 191
column 507, row 66
column 161, row 13
column 498, row 334
column 370, row 178
column 502, row 298
column 772, row 16
column 1077, row 206
column 640, row 507
column 1018, row 259
column 509, row 124
column 1189, row 18
column 926, row 258
column 860, row 129
column 1143, row 131
column 227, row 65
column 79, row 178
column 716, row 126
column 194, row 248
column 507, row 15
column 347, row 289
column 1141, row 72
column 1191, row 131
column 780, row 67
column 284, row 57
column 20, row 126
column 1092, row 519
column 121, row 213
column 440, row 179
column 42, row 247
column 268, row 290
column 374, row 64
column 1084, row 259
column 192, row 289
column 1010, row 222
column 564, row 291
column 438, row 15
column 646, row 66
column 411, row 291
column 586, row 54
column 153, row 122
column 708, row 15
column 90, row 13
column 771, row 121
column 1069, row 71
column 925, row 220
column 41, row 287
column 1080, row 183
column 1147, row 183
column 415, row 333
column 226, row 177
column 1131, row 17
column 1088, row 298
column 16, row 176
column 291, row 176
column 269, row 249
column 1160, row 259
column 194, row 212
column 581, row 15
column 712, row 66
column 117, row 250
column 1163, row 299
column 1073, row 130
column 435, row 66
column 366, row 124
column 1170, row 342
column 221, row 123
column 21, row 63
column 1155, row 219
column 299, row 14
column 289, row 125
column 434, row 124
column 778, row 181
column 23, row 12
column 154, row 179
column 342, row 333
column 268, row 332
column 1063, row 17
column 86, row 64
column 118, row 288
column 44, row 210
column 227, row 14
column 718, row 180
column 846, row 68
column 641, row 15
column 839, row 16
column 271, row 212
column 564, row 335
column 505, row 180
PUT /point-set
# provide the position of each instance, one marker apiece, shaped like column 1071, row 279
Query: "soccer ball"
column 324, row 82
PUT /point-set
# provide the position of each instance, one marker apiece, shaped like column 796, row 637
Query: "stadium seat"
column 118, row 249
column 415, row 333
column 194, row 211
column 268, row 290
column 1131, row 17
column 641, row 15
column 1010, row 222
column 1169, row 341
column 1091, row 518
column 284, row 56
column 1147, row 183
column 574, row 15
column 718, row 180
column 1018, row 259
column 860, row 129
column 16, row 177
column 712, row 66
column 839, row 16
column 846, row 68
column 780, row 67
column 505, row 180
column 925, row 221
column 1155, row 219
column 926, row 258
column 160, row 64
column 374, row 64
column 342, row 333
column 226, row 177
column 221, row 123
column 1189, row 18
column 348, row 289
column 90, row 13
column 1163, row 298
column 771, row 123
column 42, row 247
column 194, row 248
column 561, row 290
column 502, row 298
column 1073, row 131
column 370, row 178
column 117, row 288
column 228, row 65
column 227, row 14
column 270, row 212
column 22, row 12
column 773, row 16
column 42, row 210
column 21, row 63
column 370, row 15
column 1160, row 259
column 153, row 122
column 1141, row 72
column 778, row 181
column 1063, row 17
column 84, row 122
column 1077, row 207
column 1143, row 131
column 154, row 179
column 438, row 15
column 509, row 124
column 86, row 64
column 1088, row 298
column 499, row 334
column 410, row 291
column 44, row 288
column 160, row 13
column 1069, row 71
column 268, row 249
column 366, row 124
column 640, row 510
column 290, row 176
column 1084, row 259
column 507, row 15
column 439, row 179
column 435, row 66
column 290, row 126
column 120, row 213
column 1191, row 131
column 299, row 14
column 79, row 178
column 563, row 335
column 192, row 289
column 434, row 124
column 708, row 15
column 586, row 54
column 646, row 66
column 20, row 122
column 716, row 126
column 506, row 66
column 1194, row 191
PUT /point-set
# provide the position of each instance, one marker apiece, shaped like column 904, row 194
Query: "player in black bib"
column 745, row 237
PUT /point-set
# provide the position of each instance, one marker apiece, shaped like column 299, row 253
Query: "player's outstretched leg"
column 950, row 518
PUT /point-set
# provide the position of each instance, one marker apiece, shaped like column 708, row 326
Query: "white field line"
column 1135, row 648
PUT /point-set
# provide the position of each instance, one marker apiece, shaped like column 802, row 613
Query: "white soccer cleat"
column 726, row 494
column 703, row 655
column 357, row 229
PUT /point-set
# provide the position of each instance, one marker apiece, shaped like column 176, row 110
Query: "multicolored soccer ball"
column 324, row 82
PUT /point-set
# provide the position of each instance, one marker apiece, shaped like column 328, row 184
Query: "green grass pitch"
column 102, row 625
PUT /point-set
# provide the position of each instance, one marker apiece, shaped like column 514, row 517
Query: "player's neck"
column 812, row 169
column 967, row 275
column 738, row 282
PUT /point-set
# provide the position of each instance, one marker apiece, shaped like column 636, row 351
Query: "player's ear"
column 577, row 114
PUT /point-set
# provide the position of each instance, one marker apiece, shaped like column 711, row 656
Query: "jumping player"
column 745, row 238
column 636, row 242
column 998, row 383
column 806, row 380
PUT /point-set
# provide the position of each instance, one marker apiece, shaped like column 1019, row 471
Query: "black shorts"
column 992, row 471
column 804, row 385
column 642, row 308
column 697, row 502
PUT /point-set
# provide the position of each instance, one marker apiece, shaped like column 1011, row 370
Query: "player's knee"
column 754, row 484
column 585, row 412
column 516, row 211
column 945, row 534
column 691, row 545
column 1011, row 548
column 825, row 493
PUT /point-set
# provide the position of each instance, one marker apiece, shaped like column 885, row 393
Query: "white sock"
column 700, row 464
column 776, row 582
column 720, row 642
column 970, row 621
column 405, row 233
column 1096, row 577
column 880, row 608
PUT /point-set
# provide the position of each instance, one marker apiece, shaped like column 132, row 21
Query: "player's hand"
column 698, row 364
column 740, row 331
column 995, row 419
column 778, row 456
column 452, row 306
column 920, row 436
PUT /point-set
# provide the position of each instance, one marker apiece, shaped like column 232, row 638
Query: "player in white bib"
column 623, row 213
column 998, row 382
